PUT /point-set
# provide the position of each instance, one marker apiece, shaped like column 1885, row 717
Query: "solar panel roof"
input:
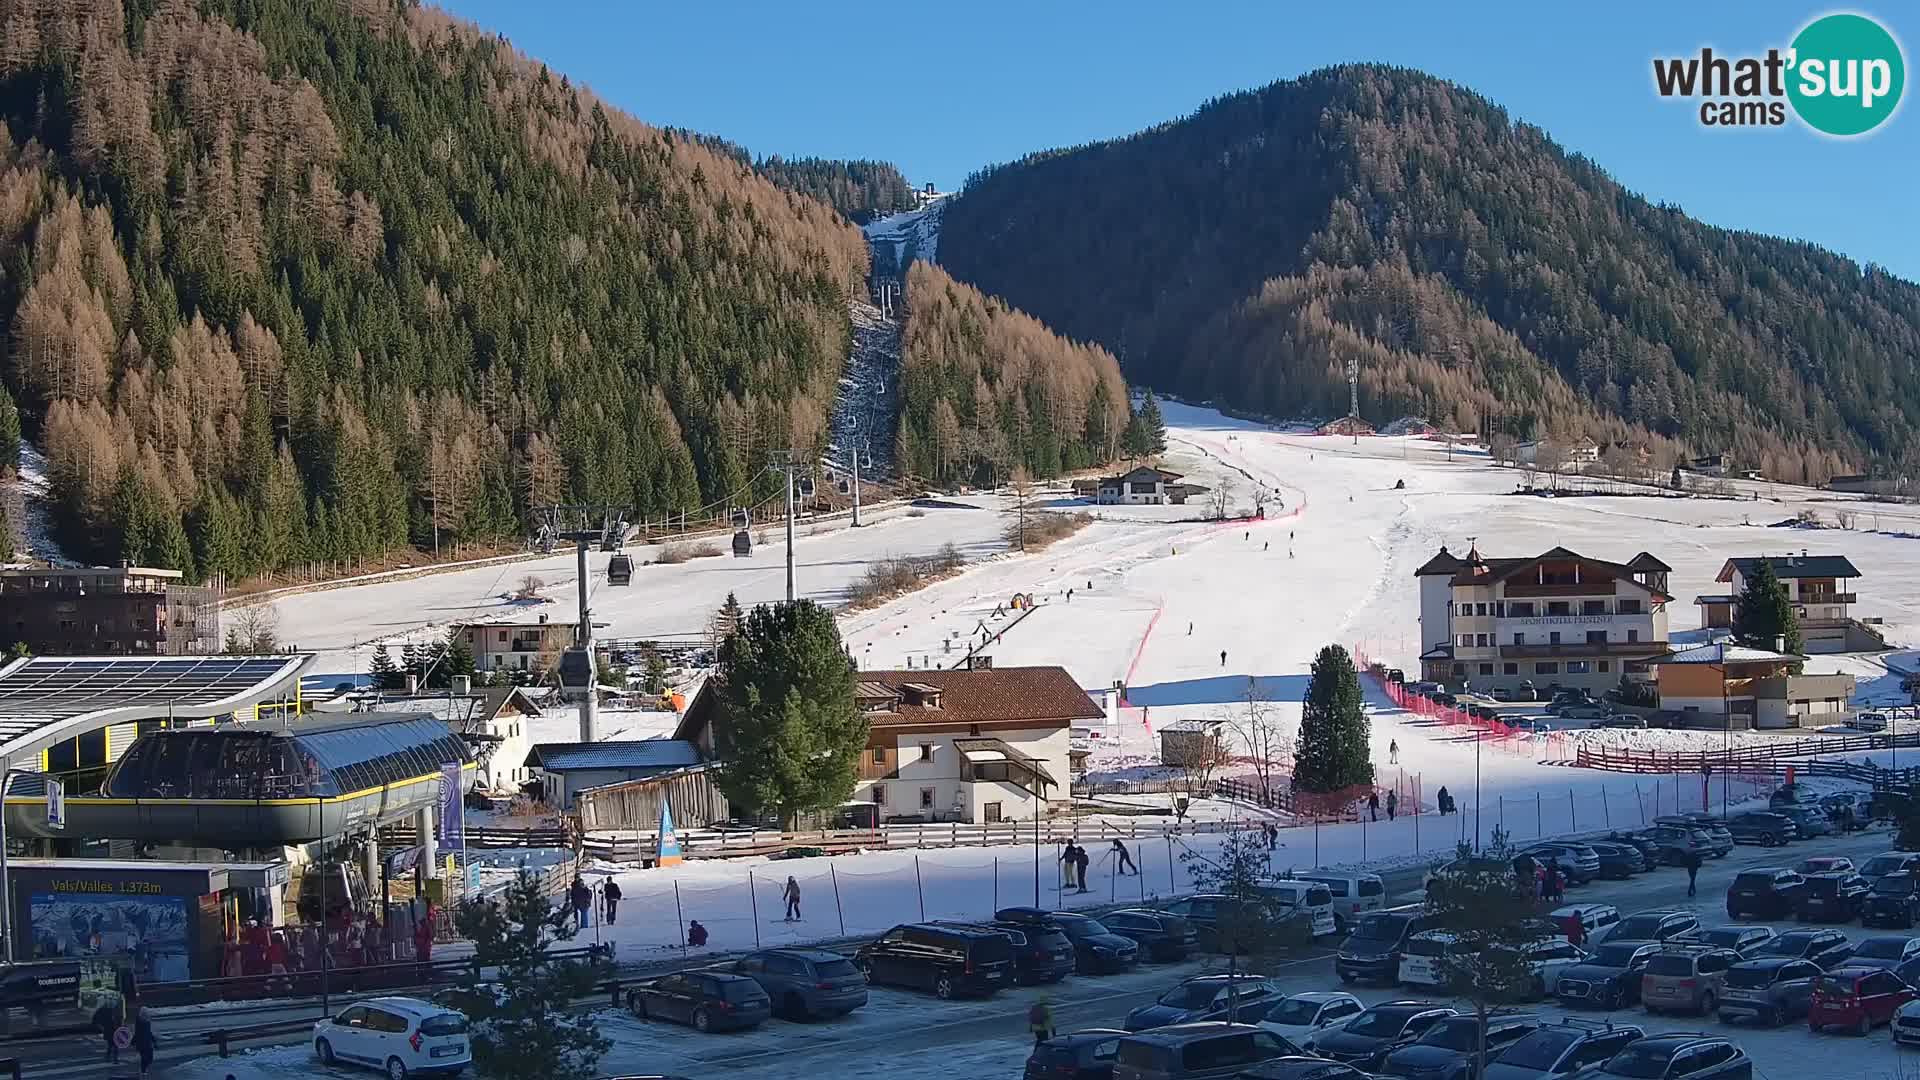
column 47, row 690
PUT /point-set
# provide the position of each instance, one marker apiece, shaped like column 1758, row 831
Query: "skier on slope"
column 1223, row 658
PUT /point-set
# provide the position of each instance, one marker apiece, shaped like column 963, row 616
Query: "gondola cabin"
column 620, row 570
column 742, row 544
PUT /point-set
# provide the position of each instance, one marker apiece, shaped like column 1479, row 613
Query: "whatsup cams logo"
column 1842, row 75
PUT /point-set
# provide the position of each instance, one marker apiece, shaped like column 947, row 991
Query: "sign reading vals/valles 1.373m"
column 1843, row 75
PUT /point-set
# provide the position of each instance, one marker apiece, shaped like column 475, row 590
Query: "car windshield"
column 1787, row 945
column 1080, row 928
column 1884, row 864
column 1378, row 1022
column 444, row 1024
column 1883, row 948
column 1894, row 885
column 740, row 990
column 1455, row 1033
column 1380, row 927
column 1832, row 987
column 1749, row 978
column 1191, row 995
column 1538, row 1050
column 1426, row 946
column 1640, row 1062
column 1763, row 880
column 835, row 969
column 1616, row 956
column 1726, row 937
column 1641, row 927
column 1293, row 1012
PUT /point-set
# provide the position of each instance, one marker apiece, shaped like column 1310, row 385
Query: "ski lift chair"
column 740, row 519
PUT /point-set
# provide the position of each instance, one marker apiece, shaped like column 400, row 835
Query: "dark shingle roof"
column 1501, row 569
column 1446, row 562
column 631, row 754
column 991, row 695
column 1792, row 566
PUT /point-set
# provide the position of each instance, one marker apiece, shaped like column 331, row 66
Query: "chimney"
column 413, row 683
column 462, row 685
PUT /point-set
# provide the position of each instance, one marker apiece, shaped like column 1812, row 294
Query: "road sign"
column 56, row 804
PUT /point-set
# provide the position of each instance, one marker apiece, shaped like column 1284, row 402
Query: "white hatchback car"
column 398, row 1035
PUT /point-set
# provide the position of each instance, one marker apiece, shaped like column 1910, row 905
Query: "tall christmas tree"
column 385, row 675
column 1335, row 749
column 1766, row 619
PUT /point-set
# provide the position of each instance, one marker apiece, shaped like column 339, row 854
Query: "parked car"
column 1041, row 953
column 1560, row 1049
column 1856, row 998
column 1906, row 1024
column 804, row 983
column 1300, row 1015
column 1658, row 924
column 1365, row 1040
column 1437, row 876
column 1686, row 978
column 400, row 1036
column 1203, row 997
column 1196, row 1052
column 1692, row 1055
column 1721, row 839
column 1578, row 862
column 1582, row 711
column 1621, row 720
column 1811, row 821
column 1768, row 990
column 1449, row 1048
column 1890, row 862
column 1203, row 913
column 1864, row 806
column 1869, row 721
column 1673, row 843
column 1888, row 952
column 1161, row 936
column 946, row 960
column 705, row 1000
column 1096, row 949
column 1824, row 864
column 1827, row 948
column 1642, row 841
column 1353, row 895
column 1302, row 1068
column 1894, row 900
column 1077, row 1055
column 1765, row 892
column 1743, row 938
column 1762, row 827
column 1310, row 899
column 1372, row 953
column 1618, row 862
column 1832, row 897
column 1592, row 920
column 1423, row 963
column 1609, row 977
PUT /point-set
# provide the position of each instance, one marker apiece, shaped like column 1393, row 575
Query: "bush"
column 889, row 578
column 1044, row 528
column 675, row 554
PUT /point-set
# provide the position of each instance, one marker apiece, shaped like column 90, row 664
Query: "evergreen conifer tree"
column 789, row 733
column 1766, row 619
column 385, row 675
column 411, row 661
column 1153, row 427
column 9, row 432
column 459, row 658
column 6, row 535
column 1335, row 736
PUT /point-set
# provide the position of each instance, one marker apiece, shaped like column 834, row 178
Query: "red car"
column 1856, row 998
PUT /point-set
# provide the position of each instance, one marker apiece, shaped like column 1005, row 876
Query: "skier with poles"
column 1126, row 858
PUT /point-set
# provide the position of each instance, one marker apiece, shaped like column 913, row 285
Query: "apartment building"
column 108, row 611
column 1555, row 619
column 516, row 645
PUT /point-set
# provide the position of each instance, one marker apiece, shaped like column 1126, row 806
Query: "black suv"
column 1767, row 892
column 1660, row 924
column 1372, row 953
column 1832, row 897
column 1560, row 1048
column 1828, row 948
column 1609, row 978
column 804, row 983
column 948, row 960
column 1448, row 1050
column 1096, row 950
column 1041, row 953
column 1763, row 828
column 1160, row 935
column 1893, row 901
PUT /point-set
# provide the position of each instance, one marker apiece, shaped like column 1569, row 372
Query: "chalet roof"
column 1792, row 566
column 1446, row 562
column 1040, row 695
column 1722, row 652
column 983, row 750
column 1501, row 569
column 1142, row 471
column 631, row 754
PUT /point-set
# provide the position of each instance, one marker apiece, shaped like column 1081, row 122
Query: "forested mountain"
column 306, row 280
column 985, row 388
column 1479, row 274
column 862, row 190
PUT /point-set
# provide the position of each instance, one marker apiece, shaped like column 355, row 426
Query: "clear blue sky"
column 941, row 89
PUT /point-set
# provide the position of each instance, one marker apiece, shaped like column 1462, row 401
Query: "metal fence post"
column 1171, row 888
column 996, row 883
column 1605, row 814
column 1573, row 812
column 919, row 889
column 1539, row 816
column 680, row 914
column 753, row 895
column 842, row 912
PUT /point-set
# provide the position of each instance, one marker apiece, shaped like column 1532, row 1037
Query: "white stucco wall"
column 941, row 774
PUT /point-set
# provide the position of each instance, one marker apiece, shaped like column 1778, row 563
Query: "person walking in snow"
column 582, row 898
column 1393, row 751
column 1189, row 629
column 1267, row 546
column 791, row 894
column 1126, row 858
column 1070, row 858
column 612, row 897
column 1223, row 658
column 1373, row 806
column 1080, row 860
column 1692, row 863
column 1393, row 803
column 1444, row 800
column 1040, row 1021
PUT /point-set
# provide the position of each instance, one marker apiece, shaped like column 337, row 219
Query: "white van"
column 1420, row 964
column 1310, row 897
column 1353, row 895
